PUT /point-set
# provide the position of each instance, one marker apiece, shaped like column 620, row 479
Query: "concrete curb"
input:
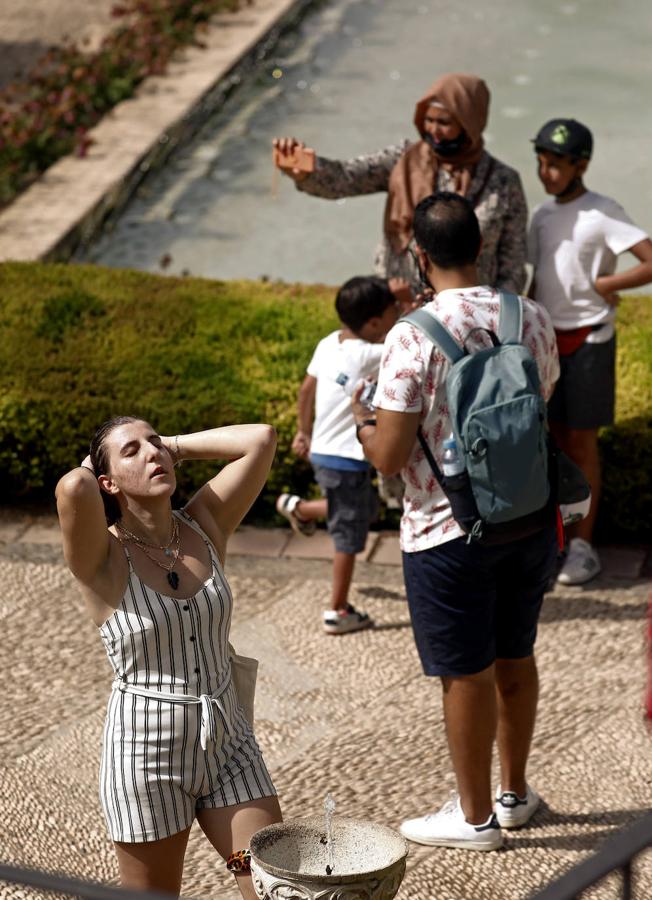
column 66, row 207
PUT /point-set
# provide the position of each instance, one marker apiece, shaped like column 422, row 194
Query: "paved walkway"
column 351, row 715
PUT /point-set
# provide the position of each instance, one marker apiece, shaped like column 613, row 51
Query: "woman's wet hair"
column 446, row 228
column 100, row 461
column 362, row 298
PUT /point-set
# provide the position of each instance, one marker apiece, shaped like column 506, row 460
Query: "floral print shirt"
column 413, row 380
column 496, row 193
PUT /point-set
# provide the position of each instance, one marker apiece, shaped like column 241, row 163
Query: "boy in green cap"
column 574, row 241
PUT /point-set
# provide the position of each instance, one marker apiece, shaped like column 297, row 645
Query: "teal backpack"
column 498, row 418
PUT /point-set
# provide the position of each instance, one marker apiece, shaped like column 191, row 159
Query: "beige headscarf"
column 415, row 174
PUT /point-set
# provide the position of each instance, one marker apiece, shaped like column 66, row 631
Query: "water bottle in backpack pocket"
column 456, row 485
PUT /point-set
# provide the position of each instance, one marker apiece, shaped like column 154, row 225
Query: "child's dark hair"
column 362, row 298
column 100, row 461
column 447, row 229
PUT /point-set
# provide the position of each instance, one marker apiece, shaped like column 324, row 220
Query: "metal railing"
column 616, row 855
column 51, row 882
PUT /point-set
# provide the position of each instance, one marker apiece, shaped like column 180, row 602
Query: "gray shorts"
column 584, row 396
column 352, row 505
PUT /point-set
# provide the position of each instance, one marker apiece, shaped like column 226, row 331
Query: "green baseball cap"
column 566, row 137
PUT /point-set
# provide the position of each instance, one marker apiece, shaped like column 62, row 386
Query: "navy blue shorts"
column 471, row 605
column 585, row 395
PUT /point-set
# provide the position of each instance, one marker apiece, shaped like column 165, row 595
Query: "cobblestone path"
column 351, row 715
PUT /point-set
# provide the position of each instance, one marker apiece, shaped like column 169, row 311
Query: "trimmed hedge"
column 83, row 343
column 626, row 505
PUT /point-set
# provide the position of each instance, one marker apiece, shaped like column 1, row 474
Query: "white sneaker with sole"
column 449, row 828
column 341, row 621
column 286, row 505
column 513, row 811
column 581, row 565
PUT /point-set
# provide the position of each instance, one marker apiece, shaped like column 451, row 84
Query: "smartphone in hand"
column 301, row 158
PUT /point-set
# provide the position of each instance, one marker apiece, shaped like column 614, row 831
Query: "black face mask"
column 446, row 148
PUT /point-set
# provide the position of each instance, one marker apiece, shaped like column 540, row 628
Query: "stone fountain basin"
column 296, row 851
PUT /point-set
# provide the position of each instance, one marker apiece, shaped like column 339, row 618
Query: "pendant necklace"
column 171, row 549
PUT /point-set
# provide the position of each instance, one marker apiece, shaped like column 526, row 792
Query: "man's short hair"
column 447, row 229
column 362, row 298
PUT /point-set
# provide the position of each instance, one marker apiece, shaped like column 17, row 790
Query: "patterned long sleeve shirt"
column 496, row 193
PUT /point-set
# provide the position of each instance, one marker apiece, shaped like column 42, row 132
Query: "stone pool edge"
column 67, row 206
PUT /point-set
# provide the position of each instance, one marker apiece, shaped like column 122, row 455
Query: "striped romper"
column 175, row 738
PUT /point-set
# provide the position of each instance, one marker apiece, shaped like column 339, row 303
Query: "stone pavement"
column 350, row 715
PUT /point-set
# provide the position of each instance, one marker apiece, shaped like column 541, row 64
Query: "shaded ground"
column 28, row 29
column 352, row 716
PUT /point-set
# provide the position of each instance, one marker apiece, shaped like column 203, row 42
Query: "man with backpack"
column 474, row 584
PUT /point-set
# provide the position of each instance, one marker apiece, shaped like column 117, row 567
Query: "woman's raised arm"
column 334, row 179
column 228, row 496
column 83, row 523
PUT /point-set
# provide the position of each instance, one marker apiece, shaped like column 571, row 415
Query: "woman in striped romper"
column 177, row 746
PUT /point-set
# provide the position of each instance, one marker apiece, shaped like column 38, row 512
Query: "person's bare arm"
column 389, row 443
column 305, row 412
column 221, row 504
column 609, row 285
column 86, row 540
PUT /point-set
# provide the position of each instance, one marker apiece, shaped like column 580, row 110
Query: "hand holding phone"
column 293, row 158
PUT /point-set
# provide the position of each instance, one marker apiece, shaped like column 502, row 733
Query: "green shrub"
column 81, row 344
column 626, row 506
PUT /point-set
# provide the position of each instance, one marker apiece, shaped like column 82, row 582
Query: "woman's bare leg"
column 153, row 865
column 230, row 829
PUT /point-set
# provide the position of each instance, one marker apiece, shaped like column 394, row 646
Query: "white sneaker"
column 449, row 828
column 582, row 563
column 341, row 621
column 513, row 811
column 286, row 505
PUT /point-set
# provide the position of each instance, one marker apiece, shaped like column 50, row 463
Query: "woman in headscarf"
column 449, row 156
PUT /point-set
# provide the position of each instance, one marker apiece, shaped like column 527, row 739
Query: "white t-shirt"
column 351, row 360
column 413, row 379
column 570, row 245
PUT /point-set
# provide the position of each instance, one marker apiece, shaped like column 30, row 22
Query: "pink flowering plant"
column 49, row 112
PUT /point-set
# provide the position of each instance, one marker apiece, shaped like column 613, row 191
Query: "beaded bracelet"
column 240, row 861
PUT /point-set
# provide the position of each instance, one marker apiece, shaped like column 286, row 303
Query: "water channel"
column 346, row 82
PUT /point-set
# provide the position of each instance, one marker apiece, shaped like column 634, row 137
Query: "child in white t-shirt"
column 367, row 309
column 574, row 241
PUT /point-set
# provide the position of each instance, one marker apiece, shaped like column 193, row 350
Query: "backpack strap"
column 427, row 452
column 438, row 333
column 510, row 321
